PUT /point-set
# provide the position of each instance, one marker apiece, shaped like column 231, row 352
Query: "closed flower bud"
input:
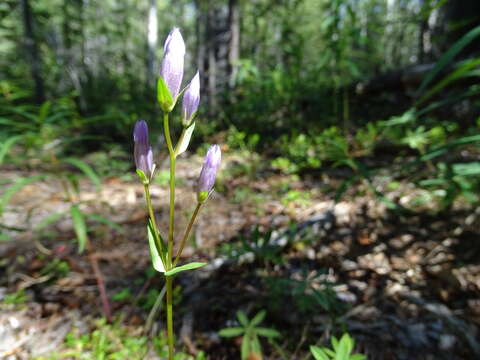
column 172, row 64
column 208, row 174
column 143, row 151
column 191, row 99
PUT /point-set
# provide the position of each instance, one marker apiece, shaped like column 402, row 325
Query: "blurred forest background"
column 349, row 188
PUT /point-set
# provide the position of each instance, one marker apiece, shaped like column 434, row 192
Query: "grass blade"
column 79, row 226
column 86, row 169
column 5, row 147
column 448, row 57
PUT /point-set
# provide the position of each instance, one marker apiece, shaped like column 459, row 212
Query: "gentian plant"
column 168, row 92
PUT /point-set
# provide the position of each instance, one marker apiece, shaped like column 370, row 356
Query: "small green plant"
column 454, row 180
column 250, row 332
column 56, row 268
column 308, row 292
column 112, row 342
column 296, row 196
column 258, row 244
column 342, row 350
column 122, row 295
column 161, row 349
column 17, row 298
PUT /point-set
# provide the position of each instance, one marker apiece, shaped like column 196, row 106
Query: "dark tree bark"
column 33, row 53
column 234, row 43
column 211, row 60
column 456, row 19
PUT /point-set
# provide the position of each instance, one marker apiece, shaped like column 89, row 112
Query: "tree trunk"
column 211, row 60
column 33, row 53
column 234, row 41
column 456, row 19
column 152, row 40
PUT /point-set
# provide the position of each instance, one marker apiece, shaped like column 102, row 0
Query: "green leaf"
column 345, row 346
column 350, row 341
column 334, row 342
column 184, row 139
column 256, row 348
column 4, row 238
column 142, row 176
column 357, row 357
column 464, row 70
column 86, row 169
column 257, row 319
column 448, row 56
column 154, row 252
column 79, row 226
column 105, row 221
column 190, row 266
column 231, row 332
column 50, row 219
column 242, row 318
column 467, row 169
column 269, row 333
column 245, row 350
column 15, row 187
column 318, row 353
column 5, row 147
column 164, row 96
column 329, row 352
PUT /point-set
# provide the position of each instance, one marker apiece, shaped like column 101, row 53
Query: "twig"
column 155, row 310
column 101, row 287
column 302, row 339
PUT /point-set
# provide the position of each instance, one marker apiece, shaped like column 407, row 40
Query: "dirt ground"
column 404, row 286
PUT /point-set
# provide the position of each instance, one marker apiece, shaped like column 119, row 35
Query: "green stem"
column 172, row 209
column 186, row 235
column 170, row 317
column 169, row 279
column 168, row 138
column 171, row 151
column 154, row 222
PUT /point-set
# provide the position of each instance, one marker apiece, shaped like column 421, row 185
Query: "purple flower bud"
column 142, row 151
column 208, row 174
column 191, row 99
column 172, row 64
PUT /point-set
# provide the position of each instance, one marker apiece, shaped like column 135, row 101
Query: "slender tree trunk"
column 211, row 59
column 421, row 40
column 200, row 37
column 152, row 40
column 234, row 41
column 33, row 53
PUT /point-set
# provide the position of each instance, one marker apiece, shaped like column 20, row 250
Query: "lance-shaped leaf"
column 79, row 226
column 86, row 169
column 184, row 139
column 164, row 96
column 157, row 261
column 190, row 266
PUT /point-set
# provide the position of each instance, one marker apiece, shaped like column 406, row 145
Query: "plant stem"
column 172, row 208
column 168, row 140
column 170, row 317
column 168, row 264
column 155, row 309
column 187, row 233
column 154, row 222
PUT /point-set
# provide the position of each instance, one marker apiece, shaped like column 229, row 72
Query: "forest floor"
column 404, row 286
